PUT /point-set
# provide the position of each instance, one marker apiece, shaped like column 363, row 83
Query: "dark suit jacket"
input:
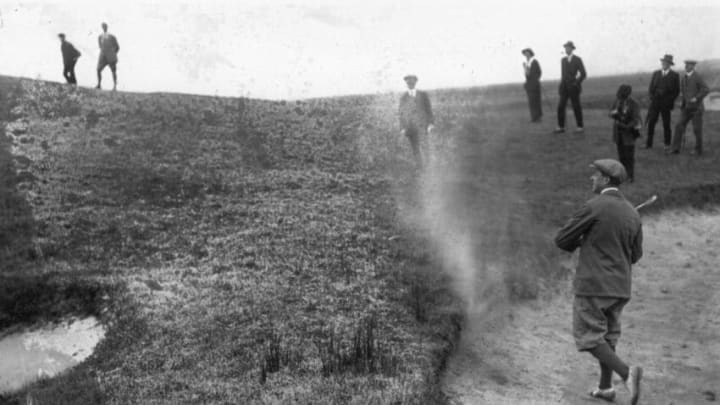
column 608, row 231
column 693, row 86
column 627, row 121
column 416, row 111
column 664, row 90
column 572, row 73
column 69, row 53
column 532, row 77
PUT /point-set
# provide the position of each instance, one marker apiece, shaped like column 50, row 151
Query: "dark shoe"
column 633, row 384
column 607, row 394
column 675, row 152
column 559, row 130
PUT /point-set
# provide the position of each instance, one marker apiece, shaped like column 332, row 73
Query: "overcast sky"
column 296, row 49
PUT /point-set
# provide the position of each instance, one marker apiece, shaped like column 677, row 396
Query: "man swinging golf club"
column 608, row 231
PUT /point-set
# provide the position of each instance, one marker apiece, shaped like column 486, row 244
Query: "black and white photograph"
column 362, row 202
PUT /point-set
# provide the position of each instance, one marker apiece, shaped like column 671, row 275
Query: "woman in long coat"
column 532, row 84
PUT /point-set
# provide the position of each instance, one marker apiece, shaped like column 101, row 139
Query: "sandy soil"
column 525, row 354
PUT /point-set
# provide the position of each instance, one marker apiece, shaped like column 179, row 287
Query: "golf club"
column 647, row 202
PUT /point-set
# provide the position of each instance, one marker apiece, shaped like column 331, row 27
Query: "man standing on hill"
column 692, row 92
column 572, row 76
column 109, row 49
column 608, row 231
column 664, row 89
column 70, row 56
column 532, row 84
column 416, row 119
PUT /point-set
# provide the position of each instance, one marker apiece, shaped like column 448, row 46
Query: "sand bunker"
column 525, row 354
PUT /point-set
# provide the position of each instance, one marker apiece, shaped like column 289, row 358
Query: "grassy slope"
column 243, row 244
column 196, row 194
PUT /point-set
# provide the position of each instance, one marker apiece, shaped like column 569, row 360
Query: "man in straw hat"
column 416, row 119
column 608, row 231
column 664, row 89
column 692, row 92
column 572, row 76
column 532, row 84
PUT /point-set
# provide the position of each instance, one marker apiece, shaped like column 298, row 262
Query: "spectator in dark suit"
column 692, row 92
column 532, row 84
column 626, row 128
column 572, row 75
column 109, row 49
column 70, row 56
column 664, row 89
column 416, row 119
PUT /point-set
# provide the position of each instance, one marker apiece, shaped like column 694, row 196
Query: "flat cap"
column 691, row 61
column 410, row 77
column 611, row 168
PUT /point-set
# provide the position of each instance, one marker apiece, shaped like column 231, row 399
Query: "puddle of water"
column 43, row 353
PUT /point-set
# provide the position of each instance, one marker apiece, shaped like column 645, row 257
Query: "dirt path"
column 524, row 354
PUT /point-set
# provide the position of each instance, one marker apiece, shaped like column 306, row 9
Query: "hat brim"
column 410, row 78
column 667, row 61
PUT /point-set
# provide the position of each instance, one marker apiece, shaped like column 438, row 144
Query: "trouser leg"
column 685, row 117
column 667, row 129
column 577, row 108
column 562, row 105
column 697, row 122
column 414, row 138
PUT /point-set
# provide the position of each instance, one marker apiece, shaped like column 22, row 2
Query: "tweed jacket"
column 109, row 47
column 415, row 112
column 608, row 231
column 69, row 53
column 693, row 86
column 627, row 124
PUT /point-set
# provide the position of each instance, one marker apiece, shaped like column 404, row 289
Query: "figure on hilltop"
column 532, row 84
column 664, row 89
column 572, row 75
column 70, row 57
column 109, row 49
column 416, row 119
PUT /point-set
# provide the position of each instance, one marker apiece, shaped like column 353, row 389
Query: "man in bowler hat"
column 692, row 92
column 572, row 75
column 608, row 232
column 70, row 57
column 416, row 119
column 532, row 84
column 664, row 89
